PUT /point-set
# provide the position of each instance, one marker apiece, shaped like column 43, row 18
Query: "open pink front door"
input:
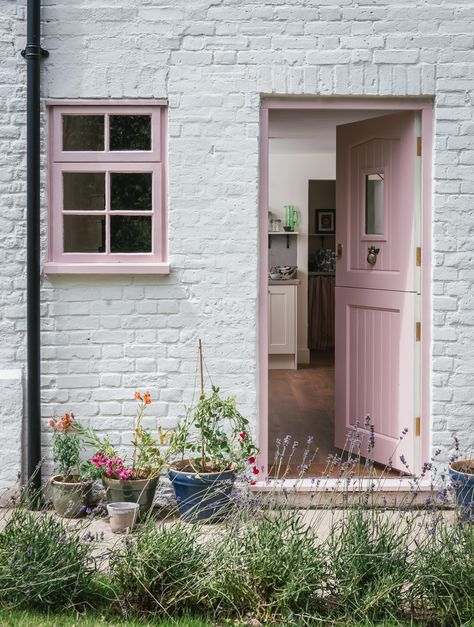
column 376, row 284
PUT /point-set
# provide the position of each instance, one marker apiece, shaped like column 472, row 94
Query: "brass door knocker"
column 372, row 255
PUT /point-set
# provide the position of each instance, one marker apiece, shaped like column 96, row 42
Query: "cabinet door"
column 282, row 319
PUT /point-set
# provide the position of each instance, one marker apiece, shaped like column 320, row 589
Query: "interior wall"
column 288, row 185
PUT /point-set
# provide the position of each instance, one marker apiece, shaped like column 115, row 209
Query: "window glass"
column 83, row 132
column 84, row 234
column 130, row 132
column 130, row 191
column 84, row 191
column 374, row 204
column 130, row 234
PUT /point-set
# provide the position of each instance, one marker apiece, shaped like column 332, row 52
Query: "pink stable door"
column 375, row 284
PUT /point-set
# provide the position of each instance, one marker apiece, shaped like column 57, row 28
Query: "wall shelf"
column 287, row 233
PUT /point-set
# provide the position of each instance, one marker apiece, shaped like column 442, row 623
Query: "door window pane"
column 374, row 204
column 84, row 234
column 84, row 191
column 130, row 234
column 83, row 132
column 130, row 191
column 130, row 132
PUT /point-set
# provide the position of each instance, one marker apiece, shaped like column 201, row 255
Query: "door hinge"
column 418, row 146
column 417, row 426
column 418, row 256
column 418, row 332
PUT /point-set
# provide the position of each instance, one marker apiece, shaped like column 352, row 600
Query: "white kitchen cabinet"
column 282, row 345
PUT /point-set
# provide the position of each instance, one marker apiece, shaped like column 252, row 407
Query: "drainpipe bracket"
column 33, row 51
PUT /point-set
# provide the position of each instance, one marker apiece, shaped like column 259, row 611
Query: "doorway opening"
column 301, row 353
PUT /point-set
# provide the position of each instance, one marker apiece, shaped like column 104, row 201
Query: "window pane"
column 84, row 191
column 130, row 234
column 130, row 191
column 83, row 132
column 374, row 204
column 84, row 234
column 130, row 132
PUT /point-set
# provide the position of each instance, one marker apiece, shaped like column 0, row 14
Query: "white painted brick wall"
column 105, row 336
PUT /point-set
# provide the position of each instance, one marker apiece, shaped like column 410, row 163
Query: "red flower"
column 242, row 435
column 252, row 482
column 252, row 460
column 138, row 396
column 147, row 398
column 255, row 470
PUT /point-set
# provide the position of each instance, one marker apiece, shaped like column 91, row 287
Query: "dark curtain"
column 321, row 312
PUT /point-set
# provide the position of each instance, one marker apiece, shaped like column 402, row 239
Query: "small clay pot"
column 71, row 498
column 123, row 516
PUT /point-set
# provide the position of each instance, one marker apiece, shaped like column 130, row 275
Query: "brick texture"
column 105, row 336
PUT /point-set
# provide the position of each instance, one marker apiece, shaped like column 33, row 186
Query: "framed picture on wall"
column 325, row 221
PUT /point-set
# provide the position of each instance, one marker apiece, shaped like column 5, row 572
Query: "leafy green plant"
column 271, row 567
column 214, row 436
column 161, row 569
column 67, row 444
column 369, row 559
column 148, row 456
column 442, row 588
column 43, row 562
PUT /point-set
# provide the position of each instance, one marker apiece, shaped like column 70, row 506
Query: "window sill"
column 106, row 268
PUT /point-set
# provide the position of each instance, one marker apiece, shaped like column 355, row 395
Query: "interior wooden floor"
column 301, row 405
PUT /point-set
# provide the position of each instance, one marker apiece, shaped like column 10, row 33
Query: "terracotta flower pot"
column 141, row 491
column 71, row 498
column 204, row 496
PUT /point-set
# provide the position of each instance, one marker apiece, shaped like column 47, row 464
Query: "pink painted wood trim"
column 104, row 268
column 412, row 103
column 164, row 183
column 75, row 156
column 263, row 294
column 426, row 234
column 425, row 104
column 110, row 102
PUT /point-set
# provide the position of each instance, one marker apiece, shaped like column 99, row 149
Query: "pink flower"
column 51, row 422
column 60, row 425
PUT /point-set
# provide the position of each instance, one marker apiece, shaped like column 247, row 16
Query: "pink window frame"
column 154, row 161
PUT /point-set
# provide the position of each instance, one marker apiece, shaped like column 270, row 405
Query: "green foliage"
column 67, row 445
column 43, row 562
column 159, row 570
column 270, row 567
column 443, row 583
column 370, row 563
column 91, row 618
column 216, row 434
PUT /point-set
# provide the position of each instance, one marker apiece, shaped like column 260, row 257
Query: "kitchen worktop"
column 284, row 282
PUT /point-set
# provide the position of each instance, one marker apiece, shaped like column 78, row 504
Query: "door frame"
column 424, row 106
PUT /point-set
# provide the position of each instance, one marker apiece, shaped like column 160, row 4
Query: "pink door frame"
column 425, row 107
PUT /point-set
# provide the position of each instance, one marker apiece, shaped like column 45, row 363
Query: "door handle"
column 372, row 255
column 340, row 248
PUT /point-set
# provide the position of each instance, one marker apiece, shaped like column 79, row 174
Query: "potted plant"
column 71, row 492
column 213, row 444
column 461, row 473
column 134, row 480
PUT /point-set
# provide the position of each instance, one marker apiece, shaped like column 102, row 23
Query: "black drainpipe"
column 33, row 53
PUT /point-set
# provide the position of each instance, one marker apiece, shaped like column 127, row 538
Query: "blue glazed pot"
column 462, row 480
column 202, row 497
